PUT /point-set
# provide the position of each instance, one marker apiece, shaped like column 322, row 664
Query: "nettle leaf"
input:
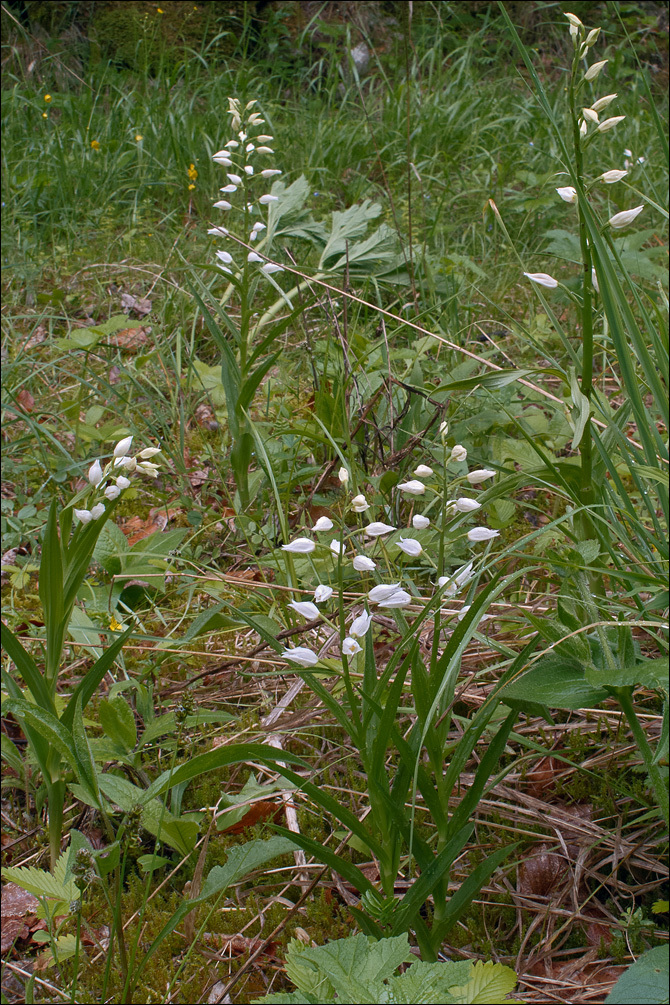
column 345, row 227
column 645, row 982
column 426, row 982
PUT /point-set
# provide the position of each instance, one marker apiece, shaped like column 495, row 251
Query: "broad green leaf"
column 489, row 984
column 645, row 982
column 428, row 982
column 111, row 544
column 156, row 818
column 556, row 682
column 118, row 721
column 652, row 673
column 27, row 667
column 49, row 728
column 82, row 631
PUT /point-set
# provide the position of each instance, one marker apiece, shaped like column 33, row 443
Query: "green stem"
column 625, row 698
column 56, row 798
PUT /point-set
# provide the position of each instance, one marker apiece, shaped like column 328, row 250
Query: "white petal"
column 420, row 522
column 382, row 592
column 269, row 268
column 620, row 220
column 266, row 199
column 350, row 647
column 123, row 446
column 362, row 563
column 542, row 279
column 378, row 529
column 83, row 516
column 112, row 492
column 458, row 453
column 323, row 523
column 343, row 475
column 398, row 599
column 224, row 257
column 464, row 505
column 95, row 475
column 568, row 194
column 413, row 488
column 323, row 593
column 410, row 546
column 306, row 610
column 305, row 657
column 97, row 510
column 360, row 625
column 480, row 475
column 301, row 546
column 337, row 547
column 482, row 534
column 423, row 471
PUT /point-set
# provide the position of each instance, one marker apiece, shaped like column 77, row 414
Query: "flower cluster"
column 240, row 157
column 113, row 479
column 390, row 595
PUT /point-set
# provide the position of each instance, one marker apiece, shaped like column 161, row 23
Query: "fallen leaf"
column 542, row 777
column 130, row 303
column 131, row 339
column 18, row 908
column 263, row 810
column 25, row 400
column 236, row 945
column 540, row 872
column 37, row 337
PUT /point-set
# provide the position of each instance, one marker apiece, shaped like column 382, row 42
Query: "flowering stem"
column 586, row 444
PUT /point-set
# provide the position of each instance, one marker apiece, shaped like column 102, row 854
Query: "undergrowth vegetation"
column 335, row 507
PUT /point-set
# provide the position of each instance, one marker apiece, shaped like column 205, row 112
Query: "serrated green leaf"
column 428, row 982
column 645, row 982
column 488, row 985
column 43, row 884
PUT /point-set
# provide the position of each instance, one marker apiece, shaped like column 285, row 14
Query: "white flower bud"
column 611, row 177
column 123, row 446
column 269, row 268
column 270, row 172
column 306, row 610
column 323, row 593
column 265, row 200
column 379, row 593
column 264, row 150
column 574, row 20
column 95, row 474
column 608, row 124
column 249, row 169
column 378, row 529
column 359, row 504
column 458, row 453
column 482, row 534
column 410, row 546
column 224, row 257
column 480, row 475
column 112, row 492
column 465, row 505
column 423, row 471
column 305, row 657
column 413, row 488
column 83, row 516
column 594, row 280
column 252, row 256
column 603, row 102
column 323, row 523
column 343, row 475
column 222, row 204
column 123, row 483
column 362, row 563
column 592, row 37
column 420, row 522
column 360, row 625
column 568, row 194
column 620, row 220
column 590, row 115
column 300, row 546
column 149, row 452
column 350, row 647
column 542, row 279
column 594, row 70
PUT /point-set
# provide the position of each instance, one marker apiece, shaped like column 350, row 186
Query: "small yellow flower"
column 95, row 145
column 44, row 115
column 191, row 187
column 159, row 10
column 115, row 625
column 47, row 98
column 139, row 138
column 192, row 173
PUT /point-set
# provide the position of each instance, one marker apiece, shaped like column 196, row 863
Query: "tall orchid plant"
column 56, row 737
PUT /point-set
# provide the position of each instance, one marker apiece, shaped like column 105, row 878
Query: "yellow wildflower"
column 115, row 625
column 160, row 11
column 47, row 98
column 191, row 187
column 139, row 138
column 95, row 145
column 44, row 115
column 192, row 173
